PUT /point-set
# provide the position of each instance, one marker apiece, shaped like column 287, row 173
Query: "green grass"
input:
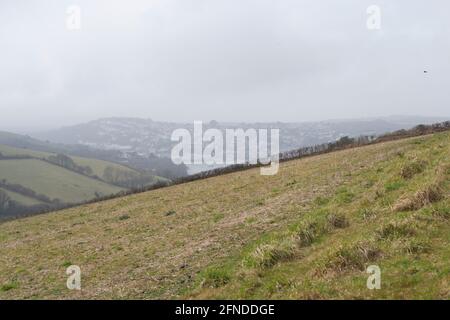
column 8, row 286
column 97, row 166
column 27, row 201
column 312, row 239
column 12, row 151
column 53, row 181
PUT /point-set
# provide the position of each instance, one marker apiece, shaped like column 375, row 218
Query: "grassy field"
column 97, row 166
column 308, row 232
column 27, row 201
column 53, row 181
column 12, row 151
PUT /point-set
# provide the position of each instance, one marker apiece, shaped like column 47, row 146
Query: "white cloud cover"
column 230, row 60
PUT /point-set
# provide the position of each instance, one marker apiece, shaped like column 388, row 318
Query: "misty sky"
column 228, row 60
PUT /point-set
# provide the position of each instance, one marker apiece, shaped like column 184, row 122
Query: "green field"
column 97, row 166
column 27, row 201
column 308, row 232
column 53, row 181
column 12, row 151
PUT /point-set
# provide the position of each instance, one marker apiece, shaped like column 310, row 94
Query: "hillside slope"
column 32, row 181
column 54, row 181
column 96, row 158
column 307, row 232
column 98, row 166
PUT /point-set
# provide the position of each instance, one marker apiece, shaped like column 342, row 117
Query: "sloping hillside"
column 53, row 181
column 98, row 166
column 307, row 232
column 33, row 181
column 16, row 144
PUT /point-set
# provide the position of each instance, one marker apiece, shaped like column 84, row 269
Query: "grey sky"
column 229, row 60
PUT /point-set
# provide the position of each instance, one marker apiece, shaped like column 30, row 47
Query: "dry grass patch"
column 308, row 232
column 396, row 230
column 267, row 255
column 416, row 246
column 441, row 212
column 412, row 168
column 352, row 257
column 338, row 220
column 421, row 198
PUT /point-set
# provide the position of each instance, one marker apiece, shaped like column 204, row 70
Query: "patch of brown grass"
column 421, row 198
column 309, row 232
column 267, row 255
column 412, row 168
column 395, row 230
column 353, row 257
column 339, row 221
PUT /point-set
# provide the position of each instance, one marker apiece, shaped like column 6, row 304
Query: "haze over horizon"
column 231, row 61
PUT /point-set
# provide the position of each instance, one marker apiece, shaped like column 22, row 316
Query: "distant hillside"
column 149, row 138
column 149, row 163
column 33, row 181
column 308, row 232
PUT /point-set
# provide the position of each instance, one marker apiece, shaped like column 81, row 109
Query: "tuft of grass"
column 416, row 246
column 267, row 255
column 67, row 264
column 441, row 211
column 170, row 213
column 395, row 230
column 412, row 168
column 421, row 198
column 215, row 277
column 368, row 213
column 336, row 220
column 124, row 217
column 353, row 257
column 308, row 232
column 9, row 286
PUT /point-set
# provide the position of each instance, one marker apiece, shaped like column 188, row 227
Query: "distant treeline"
column 151, row 164
column 127, row 179
column 17, row 188
column 67, row 162
column 341, row 144
column 12, row 209
column 14, row 157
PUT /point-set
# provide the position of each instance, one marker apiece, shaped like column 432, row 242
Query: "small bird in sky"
column 425, row 71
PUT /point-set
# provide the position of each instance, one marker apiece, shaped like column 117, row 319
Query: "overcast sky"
column 228, row 60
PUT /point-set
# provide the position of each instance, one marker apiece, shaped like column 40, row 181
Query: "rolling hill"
column 308, row 232
column 35, row 181
column 54, row 181
column 98, row 166
column 148, row 137
column 151, row 163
